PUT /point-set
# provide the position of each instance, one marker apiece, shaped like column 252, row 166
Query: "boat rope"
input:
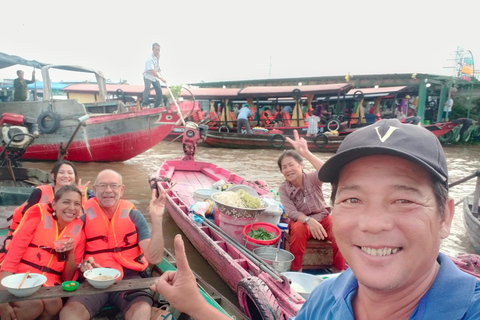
column 175, row 101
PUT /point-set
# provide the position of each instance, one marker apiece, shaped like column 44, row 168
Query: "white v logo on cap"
column 387, row 135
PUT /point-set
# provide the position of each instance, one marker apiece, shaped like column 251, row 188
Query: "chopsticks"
column 23, row 280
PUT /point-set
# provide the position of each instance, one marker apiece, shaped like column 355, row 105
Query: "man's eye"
column 351, row 200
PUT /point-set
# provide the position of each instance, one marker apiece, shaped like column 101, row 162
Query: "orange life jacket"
column 113, row 243
column 286, row 119
column 197, row 116
column 40, row 255
column 266, row 117
column 213, row 119
column 47, row 197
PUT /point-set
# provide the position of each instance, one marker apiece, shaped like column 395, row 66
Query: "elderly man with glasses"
column 117, row 236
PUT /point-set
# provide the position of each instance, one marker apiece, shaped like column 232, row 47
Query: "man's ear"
column 446, row 220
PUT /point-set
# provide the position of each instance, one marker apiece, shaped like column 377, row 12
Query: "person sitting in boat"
column 63, row 173
column 302, row 198
column 118, row 237
column 33, row 250
column 21, row 84
column 391, row 210
column 277, row 116
column 242, row 119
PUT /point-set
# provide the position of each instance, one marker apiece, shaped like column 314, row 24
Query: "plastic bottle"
column 271, row 195
column 277, row 197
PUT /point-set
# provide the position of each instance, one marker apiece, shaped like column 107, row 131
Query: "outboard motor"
column 17, row 133
column 192, row 133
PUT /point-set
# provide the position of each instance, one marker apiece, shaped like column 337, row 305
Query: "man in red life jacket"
column 117, row 236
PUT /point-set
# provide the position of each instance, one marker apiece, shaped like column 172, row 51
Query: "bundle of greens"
column 249, row 201
column 261, row 234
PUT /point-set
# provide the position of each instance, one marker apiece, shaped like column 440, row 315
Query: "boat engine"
column 191, row 135
column 17, row 133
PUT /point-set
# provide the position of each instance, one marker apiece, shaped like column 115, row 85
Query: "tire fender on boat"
column 320, row 140
column 222, row 127
column 277, row 140
column 330, row 124
column 48, row 126
column 257, row 300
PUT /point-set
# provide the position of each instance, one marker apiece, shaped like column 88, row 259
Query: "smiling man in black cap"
column 391, row 210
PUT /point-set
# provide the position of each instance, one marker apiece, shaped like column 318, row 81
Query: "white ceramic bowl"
column 29, row 287
column 303, row 283
column 101, row 278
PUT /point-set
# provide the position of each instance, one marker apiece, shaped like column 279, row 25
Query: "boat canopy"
column 286, row 91
column 378, row 92
column 7, row 60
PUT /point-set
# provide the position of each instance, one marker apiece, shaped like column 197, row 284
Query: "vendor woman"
column 302, row 198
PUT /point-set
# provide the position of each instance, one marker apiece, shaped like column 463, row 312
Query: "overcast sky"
column 206, row 40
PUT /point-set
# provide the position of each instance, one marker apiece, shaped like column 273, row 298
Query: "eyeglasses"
column 113, row 186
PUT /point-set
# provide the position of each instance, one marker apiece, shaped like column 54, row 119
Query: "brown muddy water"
column 259, row 164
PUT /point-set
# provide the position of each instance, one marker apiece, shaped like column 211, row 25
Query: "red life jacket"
column 113, row 243
column 40, row 255
column 265, row 116
column 286, row 119
column 197, row 116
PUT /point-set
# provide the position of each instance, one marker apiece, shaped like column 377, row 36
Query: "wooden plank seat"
column 319, row 253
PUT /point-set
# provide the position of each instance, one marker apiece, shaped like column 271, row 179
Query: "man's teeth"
column 379, row 252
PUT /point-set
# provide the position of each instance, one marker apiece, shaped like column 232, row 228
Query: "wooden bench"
column 319, row 253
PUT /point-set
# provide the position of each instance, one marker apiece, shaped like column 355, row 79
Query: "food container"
column 203, row 194
column 238, row 212
column 252, row 243
column 70, row 285
column 303, row 283
column 280, row 262
column 32, row 283
column 101, row 278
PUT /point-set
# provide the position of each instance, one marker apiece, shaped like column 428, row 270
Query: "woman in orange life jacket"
column 277, row 116
column 32, row 249
column 63, row 173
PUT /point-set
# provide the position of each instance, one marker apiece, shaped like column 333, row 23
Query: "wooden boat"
column 262, row 292
column 471, row 215
column 319, row 143
column 118, row 133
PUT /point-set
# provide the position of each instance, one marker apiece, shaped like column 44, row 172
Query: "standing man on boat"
column 151, row 76
column 20, row 85
column 242, row 119
column 391, row 210
column 117, row 236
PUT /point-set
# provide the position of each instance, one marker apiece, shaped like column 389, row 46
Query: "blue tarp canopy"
column 7, row 60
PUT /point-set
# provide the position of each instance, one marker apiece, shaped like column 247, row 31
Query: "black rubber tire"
column 257, row 299
column 447, row 137
column 320, row 140
column 467, row 135
column 48, row 126
column 277, row 138
column 227, row 129
column 358, row 95
column 331, row 123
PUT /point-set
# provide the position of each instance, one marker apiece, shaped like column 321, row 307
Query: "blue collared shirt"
column 453, row 295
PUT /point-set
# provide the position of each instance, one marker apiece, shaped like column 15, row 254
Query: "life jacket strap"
column 41, row 268
column 116, row 249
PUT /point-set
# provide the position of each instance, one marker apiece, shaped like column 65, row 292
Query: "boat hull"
column 472, row 224
column 103, row 137
column 227, row 261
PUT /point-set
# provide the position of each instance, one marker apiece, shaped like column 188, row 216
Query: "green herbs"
column 261, row 234
column 249, row 201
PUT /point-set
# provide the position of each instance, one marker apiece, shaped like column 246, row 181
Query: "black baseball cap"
column 390, row 137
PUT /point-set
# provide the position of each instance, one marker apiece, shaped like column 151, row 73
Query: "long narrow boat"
column 319, row 143
column 471, row 215
column 262, row 292
column 117, row 134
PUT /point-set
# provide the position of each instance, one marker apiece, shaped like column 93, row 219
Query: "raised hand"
column 157, row 204
column 82, row 188
column 300, row 144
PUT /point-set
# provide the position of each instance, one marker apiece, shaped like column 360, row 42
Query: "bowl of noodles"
column 239, row 204
column 101, row 278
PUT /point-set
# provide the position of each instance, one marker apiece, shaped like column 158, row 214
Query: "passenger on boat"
column 277, row 116
column 20, row 85
column 313, row 121
column 63, row 173
column 152, row 77
column 242, row 119
column 391, row 210
column 117, row 236
column 32, row 249
column 302, row 198
column 288, row 109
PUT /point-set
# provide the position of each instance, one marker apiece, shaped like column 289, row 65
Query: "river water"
column 260, row 164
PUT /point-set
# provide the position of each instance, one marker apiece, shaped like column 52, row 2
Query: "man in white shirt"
column 447, row 109
column 151, row 76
